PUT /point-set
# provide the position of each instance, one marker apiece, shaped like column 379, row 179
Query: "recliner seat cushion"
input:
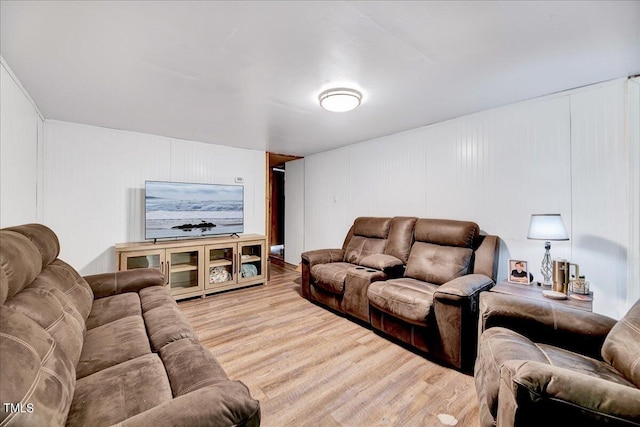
column 437, row 264
column 108, row 309
column 621, row 348
column 114, row 394
column 408, row 299
column 113, row 343
column 331, row 277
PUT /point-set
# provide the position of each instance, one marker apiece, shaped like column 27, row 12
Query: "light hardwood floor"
column 311, row 367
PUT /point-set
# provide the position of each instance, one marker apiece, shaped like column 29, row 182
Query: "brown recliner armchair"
column 434, row 307
column 544, row 364
column 374, row 249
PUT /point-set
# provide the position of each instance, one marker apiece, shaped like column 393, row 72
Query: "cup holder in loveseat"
column 359, row 268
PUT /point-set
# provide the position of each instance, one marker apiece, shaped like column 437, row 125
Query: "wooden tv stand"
column 198, row 267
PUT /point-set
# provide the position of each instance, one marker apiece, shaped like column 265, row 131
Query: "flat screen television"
column 187, row 210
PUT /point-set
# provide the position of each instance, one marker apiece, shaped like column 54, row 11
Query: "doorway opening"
column 276, row 171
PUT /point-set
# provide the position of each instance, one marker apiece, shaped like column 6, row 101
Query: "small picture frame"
column 518, row 271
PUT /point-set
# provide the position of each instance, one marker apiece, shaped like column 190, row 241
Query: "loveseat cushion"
column 446, row 232
column 20, row 262
column 108, row 309
column 408, row 299
column 114, row 394
column 331, row 277
column 116, row 342
column 35, row 373
column 166, row 324
column 437, row 264
column 621, row 348
column 360, row 247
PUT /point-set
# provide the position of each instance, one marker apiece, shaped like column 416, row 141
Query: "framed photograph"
column 518, row 271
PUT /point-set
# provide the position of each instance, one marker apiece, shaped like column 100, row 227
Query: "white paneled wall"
column 20, row 123
column 93, row 194
column 496, row 168
column 599, row 198
column 633, row 123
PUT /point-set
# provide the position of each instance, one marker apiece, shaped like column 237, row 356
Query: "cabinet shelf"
column 179, row 268
column 220, row 262
column 251, row 258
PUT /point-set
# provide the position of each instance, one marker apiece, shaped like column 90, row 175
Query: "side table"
column 535, row 292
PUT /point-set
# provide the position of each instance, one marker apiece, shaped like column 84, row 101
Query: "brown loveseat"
column 101, row 350
column 543, row 364
column 428, row 304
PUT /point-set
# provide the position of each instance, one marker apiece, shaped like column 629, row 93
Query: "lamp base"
column 545, row 267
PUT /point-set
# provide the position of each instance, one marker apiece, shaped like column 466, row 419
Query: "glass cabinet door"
column 252, row 261
column 184, row 265
column 142, row 259
column 220, row 265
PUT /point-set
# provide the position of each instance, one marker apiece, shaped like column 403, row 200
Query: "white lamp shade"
column 340, row 100
column 547, row 227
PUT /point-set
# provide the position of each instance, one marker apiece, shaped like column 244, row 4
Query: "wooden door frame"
column 271, row 160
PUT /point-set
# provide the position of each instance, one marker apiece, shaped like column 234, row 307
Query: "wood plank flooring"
column 311, row 367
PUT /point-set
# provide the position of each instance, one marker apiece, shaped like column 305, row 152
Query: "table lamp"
column 547, row 227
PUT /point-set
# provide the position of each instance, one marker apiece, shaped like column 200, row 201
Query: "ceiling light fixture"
column 340, row 100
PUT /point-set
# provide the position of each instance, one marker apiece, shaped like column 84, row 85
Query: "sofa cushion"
column 77, row 290
column 116, row 342
column 190, row 366
column 43, row 238
column 154, row 297
column 331, row 277
column 54, row 314
column 446, row 232
column 621, row 348
column 35, row 372
column 408, row 299
column 437, row 264
column 166, row 324
column 108, row 309
column 19, row 260
column 114, row 394
column 360, row 247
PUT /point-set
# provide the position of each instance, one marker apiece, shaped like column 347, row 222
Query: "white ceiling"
column 247, row 74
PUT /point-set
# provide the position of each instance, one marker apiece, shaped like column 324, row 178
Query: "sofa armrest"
column 464, row 286
column 455, row 305
column 322, row 256
column 219, row 405
column 546, row 322
column 544, row 394
column 107, row 284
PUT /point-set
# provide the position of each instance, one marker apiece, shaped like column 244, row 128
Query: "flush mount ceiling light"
column 340, row 100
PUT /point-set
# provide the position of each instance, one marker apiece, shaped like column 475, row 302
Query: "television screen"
column 177, row 209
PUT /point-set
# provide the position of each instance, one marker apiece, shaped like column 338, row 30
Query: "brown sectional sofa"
column 101, row 350
column 416, row 280
column 543, row 364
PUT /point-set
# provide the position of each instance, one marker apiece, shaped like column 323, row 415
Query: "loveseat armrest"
column 534, row 393
column 223, row 404
column 311, row 258
column 322, row 256
column 464, row 287
column 456, row 312
column 546, row 322
column 107, row 284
